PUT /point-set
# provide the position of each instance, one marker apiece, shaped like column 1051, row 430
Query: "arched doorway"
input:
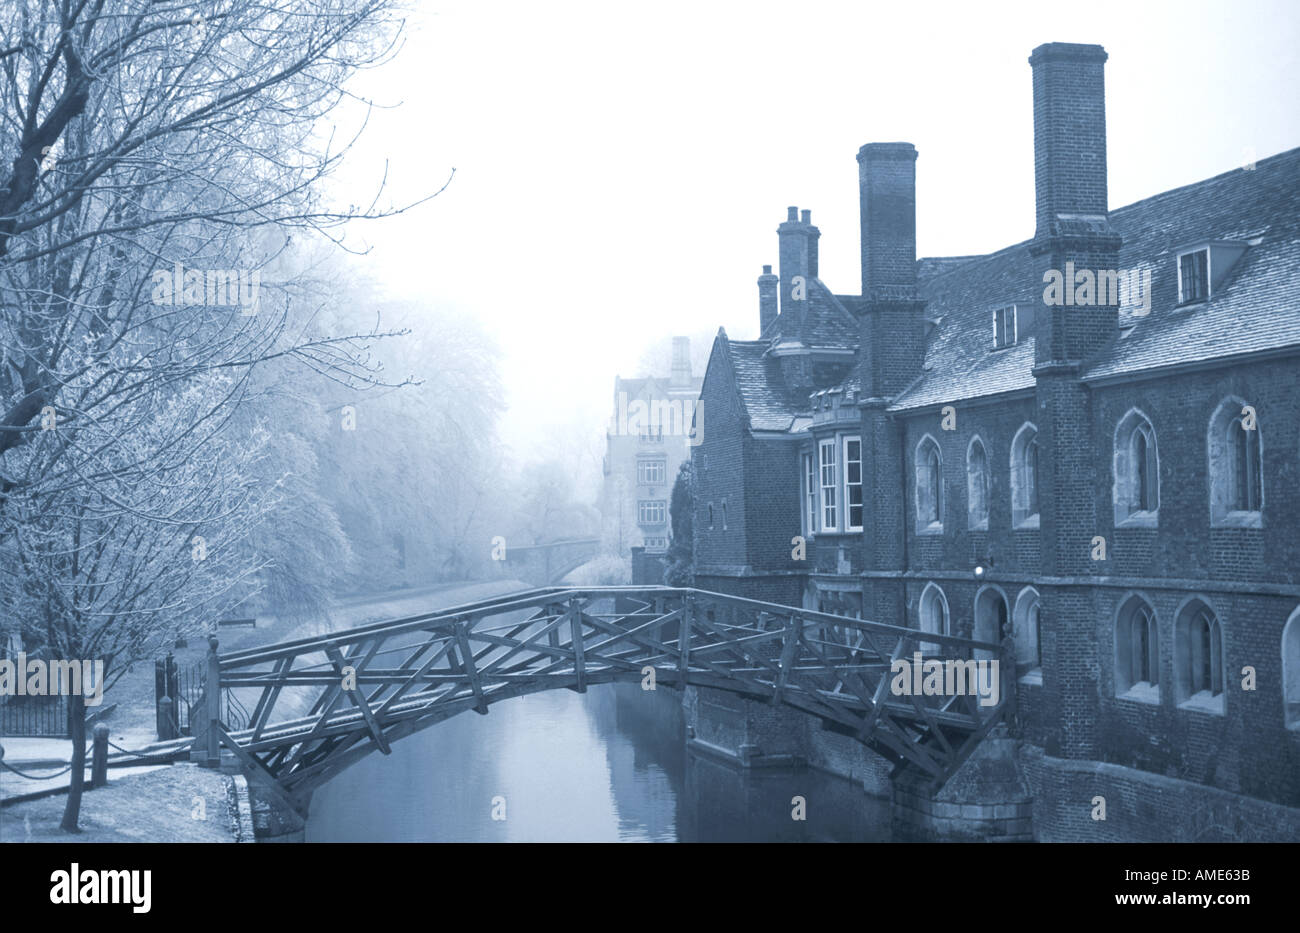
column 1028, row 633
column 991, row 617
column 933, row 616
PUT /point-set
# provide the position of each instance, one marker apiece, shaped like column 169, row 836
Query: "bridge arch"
column 548, row 563
column 372, row 685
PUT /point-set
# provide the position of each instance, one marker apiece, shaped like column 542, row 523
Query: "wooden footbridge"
column 320, row 704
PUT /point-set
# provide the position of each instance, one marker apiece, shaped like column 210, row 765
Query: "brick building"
column 648, row 437
column 1106, row 472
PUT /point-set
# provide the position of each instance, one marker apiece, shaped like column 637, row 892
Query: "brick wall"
column 720, row 468
column 1143, row 807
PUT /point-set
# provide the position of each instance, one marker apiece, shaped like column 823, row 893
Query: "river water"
column 608, row 765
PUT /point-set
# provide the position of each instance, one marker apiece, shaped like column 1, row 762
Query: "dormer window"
column 1204, row 267
column 1193, row 276
column 1004, row 327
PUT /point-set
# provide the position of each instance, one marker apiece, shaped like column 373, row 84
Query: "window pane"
column 853, row 481
column 1254, row 493
column 1031, row 475
column 1152, row 486
column 1238, row 444
column 932, row 482
column 810, row 494
column 1037, row 623
column 1140, row 468
column 829, row 486
column 1192, row 270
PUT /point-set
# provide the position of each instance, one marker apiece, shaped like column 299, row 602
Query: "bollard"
column 99, row 757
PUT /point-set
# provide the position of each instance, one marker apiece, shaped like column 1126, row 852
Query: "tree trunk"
column 77, row 728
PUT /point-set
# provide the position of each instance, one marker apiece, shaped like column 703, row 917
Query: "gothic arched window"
column 977, row 486
column 1024, row 478
column 929, row 487
column 1136, row 492
column 1137, row 650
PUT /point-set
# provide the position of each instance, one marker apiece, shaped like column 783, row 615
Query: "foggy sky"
column 621, row 170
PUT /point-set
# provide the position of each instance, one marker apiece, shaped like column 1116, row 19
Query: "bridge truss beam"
column 404, row 675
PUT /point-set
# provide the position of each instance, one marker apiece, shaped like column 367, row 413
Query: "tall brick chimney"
column 892, row 326
column 887, row 192
column 1073, row 230
column 1069, row 131
column 891, row 351
column 798, row 242
column 681, row 371
column 1073, row 238
column 768, row 285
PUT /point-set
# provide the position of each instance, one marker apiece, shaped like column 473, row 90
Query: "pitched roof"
column 1257, row 308
column 960, row 361
column 823, row 320
column 770, row 404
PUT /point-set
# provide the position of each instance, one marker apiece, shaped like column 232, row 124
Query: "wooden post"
column 213, row 712
column 99, row 756
column 684, row 641
column 159, row 693
column 167, row 719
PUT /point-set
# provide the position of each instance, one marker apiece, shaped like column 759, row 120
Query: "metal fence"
column 183, row 687
column 34, row 716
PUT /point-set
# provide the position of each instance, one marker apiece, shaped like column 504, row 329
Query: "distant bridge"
column 549, row 563
column 320, row 704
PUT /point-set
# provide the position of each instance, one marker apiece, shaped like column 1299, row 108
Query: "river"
column 609, row 765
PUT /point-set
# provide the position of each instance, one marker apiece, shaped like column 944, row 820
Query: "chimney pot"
column 798, row 245
column 767, row 270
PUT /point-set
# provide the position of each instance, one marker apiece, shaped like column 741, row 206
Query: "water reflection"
column 609, row 765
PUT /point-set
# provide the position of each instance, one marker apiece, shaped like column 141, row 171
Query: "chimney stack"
column 887, row 193
column 798, row 242
column 1073, row 238
column 1069, row 132
column 767, row 299
column 681, row 372
column 1073, row 230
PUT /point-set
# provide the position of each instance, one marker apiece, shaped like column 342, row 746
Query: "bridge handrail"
column 280, row 649
column 536, row 597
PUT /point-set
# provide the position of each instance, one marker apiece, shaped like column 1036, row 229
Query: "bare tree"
column 159, row 154
column 118, row 571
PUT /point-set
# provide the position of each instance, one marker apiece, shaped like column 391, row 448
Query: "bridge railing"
column 319, row 703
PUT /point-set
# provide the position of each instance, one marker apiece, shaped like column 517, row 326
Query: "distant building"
column 971, row 446
column 648, row 437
